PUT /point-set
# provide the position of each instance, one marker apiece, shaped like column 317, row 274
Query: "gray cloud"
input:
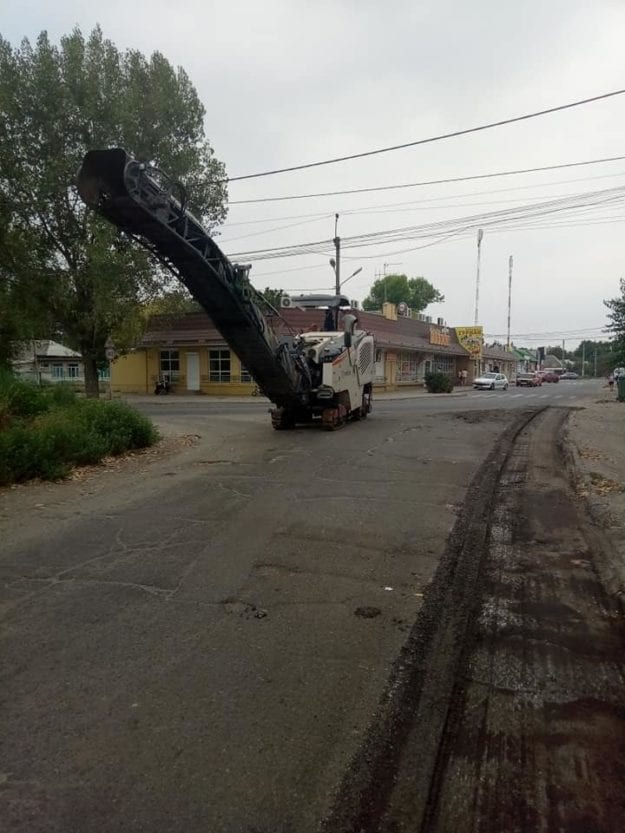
column 285, row 82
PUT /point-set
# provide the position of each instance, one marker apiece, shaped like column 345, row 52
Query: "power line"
column 427, row 203
column 548, row 333
column 430, row 182
column 574, row 202
column 430, row 139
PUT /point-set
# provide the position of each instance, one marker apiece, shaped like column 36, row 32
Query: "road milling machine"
column 324, row 376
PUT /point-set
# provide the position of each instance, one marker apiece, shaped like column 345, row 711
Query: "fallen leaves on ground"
column 603, row 485
column 592, row 454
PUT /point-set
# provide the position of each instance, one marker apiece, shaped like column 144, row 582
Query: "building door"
column 193, row 371
column 379, row 366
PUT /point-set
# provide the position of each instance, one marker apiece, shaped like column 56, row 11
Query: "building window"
column 219, row 365
column 245, row 375
column 170, row 364
column 57, row 371
column 445, row 364
column 407, row 367
column 103, row 374
column 73, row 371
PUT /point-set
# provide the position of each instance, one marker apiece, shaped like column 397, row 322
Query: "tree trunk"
column 92, row 383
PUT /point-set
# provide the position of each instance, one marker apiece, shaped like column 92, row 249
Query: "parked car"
column 528, row 380
column 490, row 381
column 550, row 376
column 569, row 375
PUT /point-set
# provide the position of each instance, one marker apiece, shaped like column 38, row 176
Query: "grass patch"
column 44, row 432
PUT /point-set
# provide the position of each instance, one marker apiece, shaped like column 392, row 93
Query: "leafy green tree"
column 556, row 351
column 21, row 317
column 597, row 355
column 57, row 102
column 418, row 293
column 172, row 303
column 273, row 296
column 616, row 324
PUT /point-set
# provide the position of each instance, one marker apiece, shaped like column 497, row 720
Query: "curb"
column 253, row 400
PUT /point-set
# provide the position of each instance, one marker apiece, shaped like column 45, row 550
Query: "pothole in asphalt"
column 367, row 612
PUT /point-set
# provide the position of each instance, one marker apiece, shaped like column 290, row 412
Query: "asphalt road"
column 567, row 393
column 201, row 640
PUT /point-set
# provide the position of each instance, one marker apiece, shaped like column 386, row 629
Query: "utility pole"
column 509, row 296
column 583, row 357
column 337, row 248
column 595, row 363
column 480, row 234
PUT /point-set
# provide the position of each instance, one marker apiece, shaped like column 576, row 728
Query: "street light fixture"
column 353, row 275
column 342, row 283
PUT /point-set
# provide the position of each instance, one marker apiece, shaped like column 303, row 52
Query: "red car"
column 549, row 376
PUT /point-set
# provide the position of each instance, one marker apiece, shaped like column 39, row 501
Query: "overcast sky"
column 286, row 82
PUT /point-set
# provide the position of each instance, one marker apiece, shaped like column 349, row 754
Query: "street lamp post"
column 111, row 353
column 337, row 262
column 480, row 234
column 509, row 295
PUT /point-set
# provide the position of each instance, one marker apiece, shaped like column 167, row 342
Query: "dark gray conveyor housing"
column 133, row 198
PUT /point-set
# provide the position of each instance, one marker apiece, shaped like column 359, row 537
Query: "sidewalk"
column 596, row 437
column 412, row 393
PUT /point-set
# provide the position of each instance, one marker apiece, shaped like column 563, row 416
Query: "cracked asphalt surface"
column 201, row 641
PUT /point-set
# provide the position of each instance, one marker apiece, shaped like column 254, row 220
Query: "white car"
column 490, row 381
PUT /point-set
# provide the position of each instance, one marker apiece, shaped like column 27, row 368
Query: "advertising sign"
column 471, row 338
column 439, row 337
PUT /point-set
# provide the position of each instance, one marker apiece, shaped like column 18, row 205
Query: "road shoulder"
column 595, row 439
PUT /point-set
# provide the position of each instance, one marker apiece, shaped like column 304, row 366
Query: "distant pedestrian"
column 460, row 377
column 464, row 376
column 611, row 381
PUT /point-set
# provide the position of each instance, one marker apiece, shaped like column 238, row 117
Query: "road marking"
column 544, row 395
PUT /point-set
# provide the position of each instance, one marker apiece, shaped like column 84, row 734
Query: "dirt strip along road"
column 506, row 712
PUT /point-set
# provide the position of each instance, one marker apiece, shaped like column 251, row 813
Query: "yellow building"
column 191, row 354
column 188, row 352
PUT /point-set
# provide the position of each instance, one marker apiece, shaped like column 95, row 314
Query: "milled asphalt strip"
column 411, row 717
column 535, row 735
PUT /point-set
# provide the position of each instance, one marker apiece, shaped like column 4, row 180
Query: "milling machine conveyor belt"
column 122, row 190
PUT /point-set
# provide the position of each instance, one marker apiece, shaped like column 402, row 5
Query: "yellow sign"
column 471, row 338
column 439, row 337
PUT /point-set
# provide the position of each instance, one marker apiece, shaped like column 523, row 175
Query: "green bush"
column 79, row 433
column 121, row 426
column 21, row 399
column 61, row 394
column 439, row 383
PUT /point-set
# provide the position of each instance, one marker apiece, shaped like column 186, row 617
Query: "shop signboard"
column 472, row 339
column 439, row 337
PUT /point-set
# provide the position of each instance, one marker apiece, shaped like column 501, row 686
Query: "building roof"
column 552, row 361
column 497, row 351
column 524, row 353
column 195, row 328
column 44, row 349
column 191, row 328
